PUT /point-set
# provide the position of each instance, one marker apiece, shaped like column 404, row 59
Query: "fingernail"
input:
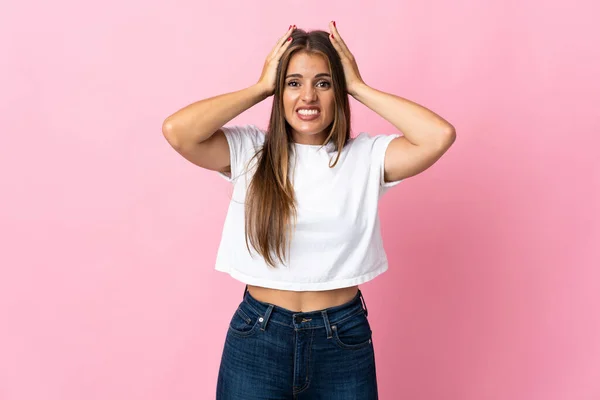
column 289, row 39
column 332, row 36
column 334, row 24
column 290, row 28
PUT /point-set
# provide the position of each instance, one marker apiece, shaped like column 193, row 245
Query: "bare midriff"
column 303, row 301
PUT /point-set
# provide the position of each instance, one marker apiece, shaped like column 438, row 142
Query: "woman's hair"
column 270, row 200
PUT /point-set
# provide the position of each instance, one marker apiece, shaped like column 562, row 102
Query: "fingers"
column 282, row 41
column 286, row 43
column 337, row 41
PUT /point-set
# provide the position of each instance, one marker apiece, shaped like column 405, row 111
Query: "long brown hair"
column 270, row 200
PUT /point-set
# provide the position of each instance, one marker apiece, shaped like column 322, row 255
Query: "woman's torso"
column 303, row 301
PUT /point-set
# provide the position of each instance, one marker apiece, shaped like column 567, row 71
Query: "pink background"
column 109, row 237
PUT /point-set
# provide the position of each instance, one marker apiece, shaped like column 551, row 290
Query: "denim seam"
column 245, row 334
column 313, row 327
column 345, row 346
column 244, row 316
column 307, row 382
column 252, row 308
column 339, row 321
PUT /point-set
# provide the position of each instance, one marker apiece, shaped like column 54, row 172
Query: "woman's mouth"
column 308, row 114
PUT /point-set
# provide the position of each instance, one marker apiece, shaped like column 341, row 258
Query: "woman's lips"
column 308, row 117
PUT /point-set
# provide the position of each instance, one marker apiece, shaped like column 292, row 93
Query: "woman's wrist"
column 261, row 90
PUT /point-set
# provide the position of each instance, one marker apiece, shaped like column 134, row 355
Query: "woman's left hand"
column 353, row 78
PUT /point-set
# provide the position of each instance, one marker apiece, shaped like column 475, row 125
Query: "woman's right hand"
column 269, row 72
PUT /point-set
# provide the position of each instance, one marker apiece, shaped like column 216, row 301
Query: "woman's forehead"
column 307, row 65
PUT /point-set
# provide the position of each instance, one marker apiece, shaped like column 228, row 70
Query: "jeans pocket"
column 353, row 333
column 243, row 323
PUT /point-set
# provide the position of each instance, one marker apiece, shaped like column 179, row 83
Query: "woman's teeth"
column 308, row 112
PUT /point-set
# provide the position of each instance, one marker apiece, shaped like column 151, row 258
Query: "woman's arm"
column 421, row 126
column 198, row 121
column 427, row 136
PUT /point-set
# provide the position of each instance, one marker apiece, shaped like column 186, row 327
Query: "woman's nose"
column 308, row 93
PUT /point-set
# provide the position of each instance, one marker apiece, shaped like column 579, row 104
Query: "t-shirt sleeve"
column 379, row 146
column 244, row 141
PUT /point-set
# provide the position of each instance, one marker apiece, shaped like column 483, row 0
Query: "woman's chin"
column 308, row 132
column 308, row 128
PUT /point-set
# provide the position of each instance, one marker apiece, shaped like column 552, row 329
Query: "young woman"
column 302, row 229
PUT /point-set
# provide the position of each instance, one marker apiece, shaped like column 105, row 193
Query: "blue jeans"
column 274, row 353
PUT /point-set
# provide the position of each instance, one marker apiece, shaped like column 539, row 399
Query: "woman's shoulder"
column 365, row 137
column 371, row 145
column 367, row 140
column 248, row 134
column 364, row 140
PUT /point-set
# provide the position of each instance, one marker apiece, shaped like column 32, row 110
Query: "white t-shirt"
column 337, row 240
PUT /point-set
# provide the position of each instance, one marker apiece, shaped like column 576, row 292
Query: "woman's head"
column 308, row 98
column 311, row 75
column 270, row 199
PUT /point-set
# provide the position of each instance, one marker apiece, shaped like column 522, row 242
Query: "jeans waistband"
column 303, row 320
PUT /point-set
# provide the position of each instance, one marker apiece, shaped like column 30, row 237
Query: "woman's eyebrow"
column 300, row 75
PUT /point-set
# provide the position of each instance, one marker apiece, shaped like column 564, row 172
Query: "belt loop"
column 362, row 299
column 327, row 326
column 265, row 319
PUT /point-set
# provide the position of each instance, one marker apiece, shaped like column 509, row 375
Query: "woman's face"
column 308, row 86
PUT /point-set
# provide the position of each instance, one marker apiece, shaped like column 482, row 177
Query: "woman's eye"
column 294, row 83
